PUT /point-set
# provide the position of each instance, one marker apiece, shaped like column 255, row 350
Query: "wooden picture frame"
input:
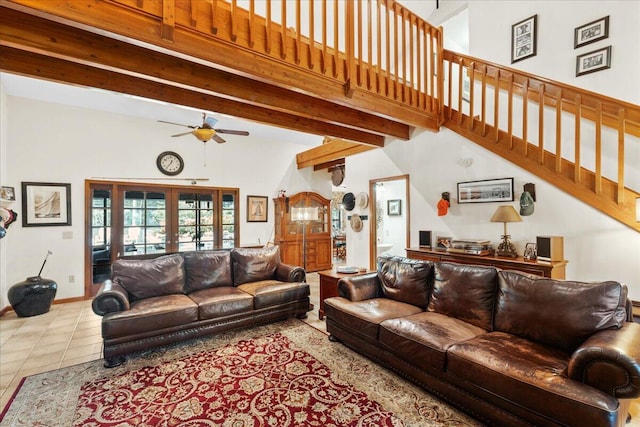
column 485, row 191
column 46, row 204
column 593, row 61
column 524, row 36
column 394, row 207
column 443, row 243
column 591, row 32
column 257, row 208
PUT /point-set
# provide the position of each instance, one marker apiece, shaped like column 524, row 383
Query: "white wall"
column 55, row 143
column 596, row 246
column 3, row 181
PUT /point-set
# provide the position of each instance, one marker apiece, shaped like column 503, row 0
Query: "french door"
column 145, row 220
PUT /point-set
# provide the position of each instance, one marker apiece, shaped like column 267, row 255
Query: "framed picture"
column 491, row 190
column 394, row 207
column 593, row 61
column 591, row 32
column 524, row 39
column 46, row 204
column 8, row 193
column 257, row 208
column 443, row 243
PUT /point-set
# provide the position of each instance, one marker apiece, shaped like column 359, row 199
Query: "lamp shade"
column 304, row 214
column 506, row 214
column 204, row 134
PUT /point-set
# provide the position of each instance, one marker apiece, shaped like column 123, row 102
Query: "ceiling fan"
column 205, row 131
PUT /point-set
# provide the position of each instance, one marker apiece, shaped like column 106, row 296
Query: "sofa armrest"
column 290, row 273
column 360, row 288
column 111, row 298
column 609, row 360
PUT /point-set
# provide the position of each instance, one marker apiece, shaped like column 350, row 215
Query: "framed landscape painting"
column 490, row 190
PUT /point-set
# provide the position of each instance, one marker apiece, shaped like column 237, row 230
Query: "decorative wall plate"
column 349, row 201
column 337, row 176
column 362, row 200
column 356, row 223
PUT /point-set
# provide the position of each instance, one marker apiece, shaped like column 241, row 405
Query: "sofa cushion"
column 504, row 368
column 424, row 338
column 253, row 265
column 405, row 280
column 221, row 301
column 466, row 292
column 557, row 312
column 366, row 316
column 145, row 278
column 207, row 269
column 150, row 315
column 267, row 293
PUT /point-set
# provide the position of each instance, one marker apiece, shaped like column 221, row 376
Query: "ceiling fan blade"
column 182, row 134
column 177, row 124
column 218, row 139
column 233, row 132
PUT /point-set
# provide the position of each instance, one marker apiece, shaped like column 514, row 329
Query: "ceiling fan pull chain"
column 205, row 153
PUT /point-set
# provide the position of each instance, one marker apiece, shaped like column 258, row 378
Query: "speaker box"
column 550, row 248
column 425, row 239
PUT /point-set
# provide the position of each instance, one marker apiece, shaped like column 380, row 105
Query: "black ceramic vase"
column 33, row 296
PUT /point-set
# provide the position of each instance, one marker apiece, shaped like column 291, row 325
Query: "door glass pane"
column 228, row 221
column 100, row 235
column 144, row 230
column 195, row 221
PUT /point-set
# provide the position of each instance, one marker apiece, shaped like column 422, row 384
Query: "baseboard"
column 8, row 308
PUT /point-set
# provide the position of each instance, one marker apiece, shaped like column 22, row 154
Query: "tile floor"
column 70, row 334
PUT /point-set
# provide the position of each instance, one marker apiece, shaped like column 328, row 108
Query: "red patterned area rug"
column 283, row 374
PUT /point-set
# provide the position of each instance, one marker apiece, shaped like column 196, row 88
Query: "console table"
column 329, row 285
column 554, row 269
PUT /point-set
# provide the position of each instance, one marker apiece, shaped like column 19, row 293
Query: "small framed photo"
column 524, row 39
column 490, row 190
column 8, row 193
column 593, row 61
column 394, row 207
column 257, row 208
column 591, row 32
column 45, row 204
column 443, row 243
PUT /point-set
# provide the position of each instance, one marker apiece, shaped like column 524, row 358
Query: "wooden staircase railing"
column 575, row 139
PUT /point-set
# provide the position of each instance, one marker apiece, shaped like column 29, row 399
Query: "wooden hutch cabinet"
column 317, row 235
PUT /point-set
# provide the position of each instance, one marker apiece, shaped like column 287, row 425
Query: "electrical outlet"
column 72, row 278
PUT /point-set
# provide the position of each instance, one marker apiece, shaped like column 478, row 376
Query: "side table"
column 329, row 285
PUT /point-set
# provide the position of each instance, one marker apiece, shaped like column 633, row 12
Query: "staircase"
column 352, row 70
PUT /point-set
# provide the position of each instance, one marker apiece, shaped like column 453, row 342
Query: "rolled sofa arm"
column 360, row 288
column 290, row 273
column 610, row 361
column 111, row 298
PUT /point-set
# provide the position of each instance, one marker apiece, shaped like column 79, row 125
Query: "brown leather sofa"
column 154, row 302
column 508, row 348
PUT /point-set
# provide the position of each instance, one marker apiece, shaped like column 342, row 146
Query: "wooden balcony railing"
column 582, row 142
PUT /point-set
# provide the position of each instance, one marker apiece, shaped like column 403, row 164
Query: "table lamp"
column 506, row 214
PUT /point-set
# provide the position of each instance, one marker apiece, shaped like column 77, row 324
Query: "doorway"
column 390, row 219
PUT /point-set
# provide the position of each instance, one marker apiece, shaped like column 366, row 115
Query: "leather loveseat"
column 508, row 348
column 154, row 302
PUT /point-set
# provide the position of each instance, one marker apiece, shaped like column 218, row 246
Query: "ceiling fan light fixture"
column 203, row 134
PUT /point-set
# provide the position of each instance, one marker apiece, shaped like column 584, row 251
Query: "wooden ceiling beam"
column 32, row 33
column 333, row 164
column 333, row 150
column 45, row 67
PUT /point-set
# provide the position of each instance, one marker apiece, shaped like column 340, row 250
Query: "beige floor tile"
column 14, row 356
column 5, row 380
column 81, row 359
column 36, row 362
column 16, row 343
column 45, row 349
column 85, row 350
column 11, row 367
column 77, row 342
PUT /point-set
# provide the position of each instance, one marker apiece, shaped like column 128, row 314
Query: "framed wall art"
column 491, row 190
column 7, row 193
column 46, row 204
column 593, row 61
column 591, row 32
column 394, row 207
column 524, row 39
column 257, row 208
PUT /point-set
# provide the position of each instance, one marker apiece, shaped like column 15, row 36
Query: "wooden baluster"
column 621, row 132
column 267, row 29
column 379, row 48
column 471, row 71
column 510, row 112
column 541, row 124
column 194, row 12
column 359, row 64
column 234, row 20
column 460, row 83
column 388, row 45
column 168, row 20
column 450, row 89
column 369, row 44
column 395, row 52
column 418, row 87
column 351, row 72
column 403, row 51
column 252, row 12
column 412, row 97
column 312, row 36
column 525, row 116
column 578, row 113
column 428, row 67
column 214, row 10
column 598, row 171
column 283, row 30
column 558, row 166
column 336, row 39
column 298, row 44
column 483, row 109
column 496, row 106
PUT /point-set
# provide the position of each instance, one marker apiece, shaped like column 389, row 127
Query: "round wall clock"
column 170, row 163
